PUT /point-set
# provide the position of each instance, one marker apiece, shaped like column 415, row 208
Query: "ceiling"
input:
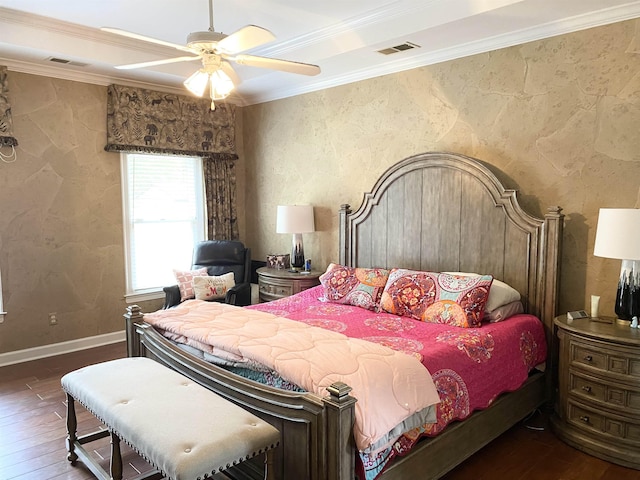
column 343, row 37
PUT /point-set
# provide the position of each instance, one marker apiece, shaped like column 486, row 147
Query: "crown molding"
column 580, row 22
column 551, row 29
column 63, row 73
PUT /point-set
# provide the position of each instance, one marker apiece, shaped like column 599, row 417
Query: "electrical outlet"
column 53, row 320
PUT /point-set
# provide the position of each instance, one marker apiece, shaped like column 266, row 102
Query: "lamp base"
column 297, row 254
column 628, row 293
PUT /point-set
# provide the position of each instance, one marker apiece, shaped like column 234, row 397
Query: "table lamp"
column 295, row 219
column 618, row 236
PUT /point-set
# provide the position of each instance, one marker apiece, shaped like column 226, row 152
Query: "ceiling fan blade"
column 153, row 63
column 246, row 38
column 136, row 36
column 277, row 64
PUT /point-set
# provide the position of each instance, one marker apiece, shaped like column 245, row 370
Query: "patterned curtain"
column 145, row 121
column 6, row 124
column 220, row 185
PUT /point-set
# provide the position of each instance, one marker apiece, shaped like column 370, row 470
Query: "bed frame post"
column 345, row 210
column 340, row 458
column 554, row 223
column 133, row 316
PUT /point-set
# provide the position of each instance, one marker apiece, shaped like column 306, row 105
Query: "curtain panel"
column 146, row 121
column 6, row 123
column 220, row 187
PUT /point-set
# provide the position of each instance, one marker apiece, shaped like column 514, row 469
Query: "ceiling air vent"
column 398, row 48
column 64, row 61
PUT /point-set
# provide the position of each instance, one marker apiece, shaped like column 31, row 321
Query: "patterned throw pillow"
column 361, row 287
column 185, row 281
column 213, row 288
column 437, row 297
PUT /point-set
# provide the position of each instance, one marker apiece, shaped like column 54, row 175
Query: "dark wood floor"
column 33, row 432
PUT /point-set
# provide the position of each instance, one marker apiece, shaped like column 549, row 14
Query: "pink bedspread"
column 470, row 366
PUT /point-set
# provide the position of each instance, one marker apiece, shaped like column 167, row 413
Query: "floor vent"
column 398, row 48
column 64, row 61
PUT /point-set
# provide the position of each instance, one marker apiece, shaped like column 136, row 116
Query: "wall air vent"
column 398, row 48
column 64, row 61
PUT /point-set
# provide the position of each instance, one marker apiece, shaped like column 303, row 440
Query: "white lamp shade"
column 618, row 234
column 221, row 85
column 294, row 219
column 197, row 83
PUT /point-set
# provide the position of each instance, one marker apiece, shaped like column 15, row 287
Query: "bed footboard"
column 317, row 442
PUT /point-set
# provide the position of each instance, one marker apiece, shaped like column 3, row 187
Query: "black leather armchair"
column 220, row 257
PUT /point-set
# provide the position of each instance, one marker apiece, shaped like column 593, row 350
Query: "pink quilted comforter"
column 389, row 385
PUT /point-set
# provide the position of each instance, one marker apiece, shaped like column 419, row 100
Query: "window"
column 163, row 218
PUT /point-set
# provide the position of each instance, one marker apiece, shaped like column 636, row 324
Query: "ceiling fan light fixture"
column 221, row 85
column 197, row 83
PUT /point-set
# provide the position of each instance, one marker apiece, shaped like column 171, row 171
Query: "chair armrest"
column 171, row 296
column 239, row 295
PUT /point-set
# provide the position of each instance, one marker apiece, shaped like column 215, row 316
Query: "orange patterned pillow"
column 437, row 297
column 361, row 287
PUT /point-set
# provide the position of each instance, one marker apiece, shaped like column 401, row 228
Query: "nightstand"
column 274, row 283
column 598, row 405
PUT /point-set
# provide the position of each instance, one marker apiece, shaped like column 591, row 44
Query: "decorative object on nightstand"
column 274, row 284
column 280, row 262
column 295, row 219
column 597, row 409
column 618, row 236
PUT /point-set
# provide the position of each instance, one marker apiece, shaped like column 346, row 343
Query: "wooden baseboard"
column 51, row 350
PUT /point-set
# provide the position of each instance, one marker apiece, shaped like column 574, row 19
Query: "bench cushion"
column 180, row 427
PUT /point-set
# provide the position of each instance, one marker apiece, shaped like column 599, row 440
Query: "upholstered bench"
column 184, row 430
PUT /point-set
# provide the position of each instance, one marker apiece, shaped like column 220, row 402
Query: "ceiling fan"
column 216, row 51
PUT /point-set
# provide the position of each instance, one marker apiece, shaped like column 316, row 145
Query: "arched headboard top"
column 442, row 211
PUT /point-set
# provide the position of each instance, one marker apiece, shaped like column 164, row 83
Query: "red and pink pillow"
column 437, row 297
column 361, row 287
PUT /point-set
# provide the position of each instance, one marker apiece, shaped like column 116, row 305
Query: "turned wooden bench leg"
column 72, row 425
column 116, row 458
column 269, row 470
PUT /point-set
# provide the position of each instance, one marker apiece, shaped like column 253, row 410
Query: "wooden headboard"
column 447, row 212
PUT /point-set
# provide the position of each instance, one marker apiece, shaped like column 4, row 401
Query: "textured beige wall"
column 61, row 244
column 559, row 118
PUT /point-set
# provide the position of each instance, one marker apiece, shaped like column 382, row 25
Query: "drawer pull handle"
column 588, row 358
column 586, row 388
column 584, row 418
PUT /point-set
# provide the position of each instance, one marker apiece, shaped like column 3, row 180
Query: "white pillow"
column 503, row 312
column 500, row 293
column 213, row 288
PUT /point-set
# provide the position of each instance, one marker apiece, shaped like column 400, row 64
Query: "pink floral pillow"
column 361, row 287
column 185, row 281
column 437, row 297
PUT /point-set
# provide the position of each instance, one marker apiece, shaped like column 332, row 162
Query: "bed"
column 438, row 212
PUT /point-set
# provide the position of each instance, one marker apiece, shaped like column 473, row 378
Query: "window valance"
column 147, row 121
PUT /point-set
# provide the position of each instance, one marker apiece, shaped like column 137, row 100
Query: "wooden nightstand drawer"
column 602, row 390
column 599, row 423
column 586, row 387
column 619, row 361
column 277, row 290
column 588, row 355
